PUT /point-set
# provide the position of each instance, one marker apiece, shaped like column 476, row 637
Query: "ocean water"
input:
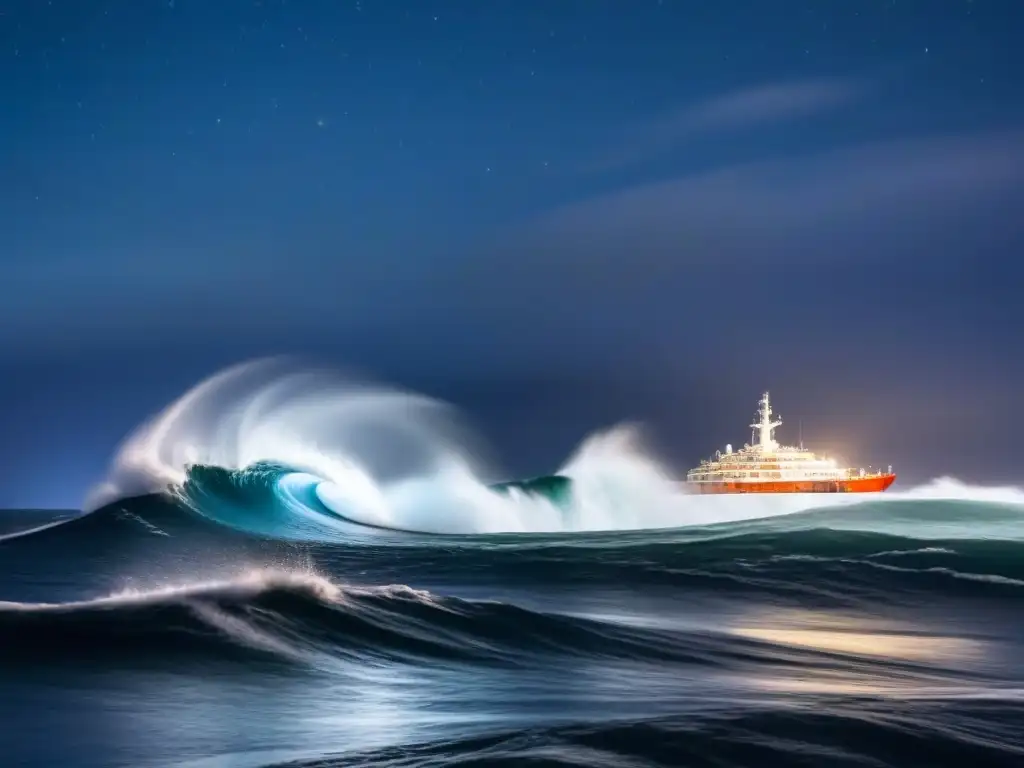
column 291, row 569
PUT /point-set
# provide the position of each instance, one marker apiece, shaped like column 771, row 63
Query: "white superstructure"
column 766, row 461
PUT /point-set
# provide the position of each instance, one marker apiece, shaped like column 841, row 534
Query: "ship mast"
column 765, row 425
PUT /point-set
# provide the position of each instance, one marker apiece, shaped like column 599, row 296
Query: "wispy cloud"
column 766, row 103
column 901, row 196
column 747, row 108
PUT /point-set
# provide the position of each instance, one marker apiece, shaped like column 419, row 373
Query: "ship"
column 768, row 467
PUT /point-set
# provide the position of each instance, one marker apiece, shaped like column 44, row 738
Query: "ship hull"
column 872, row 484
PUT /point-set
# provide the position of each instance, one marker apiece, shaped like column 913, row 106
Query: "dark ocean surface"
column 145, row 634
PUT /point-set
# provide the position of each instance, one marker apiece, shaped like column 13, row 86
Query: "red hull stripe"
column 871, row 484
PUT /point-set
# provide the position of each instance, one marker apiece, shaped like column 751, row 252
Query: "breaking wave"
column 307, row 454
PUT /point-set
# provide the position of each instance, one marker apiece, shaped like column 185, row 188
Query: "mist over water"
column 292, row 567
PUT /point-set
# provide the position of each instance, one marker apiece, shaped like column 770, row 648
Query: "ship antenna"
column 765, row 425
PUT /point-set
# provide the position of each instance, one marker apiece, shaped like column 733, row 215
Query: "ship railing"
column 775, row 475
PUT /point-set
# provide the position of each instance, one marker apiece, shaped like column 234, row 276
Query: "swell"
column 306, row 620
column 835, row 732
column 814, row 566
column 800, row 557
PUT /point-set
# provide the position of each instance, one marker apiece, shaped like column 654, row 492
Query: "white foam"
column 951, row 489
column 240, row 587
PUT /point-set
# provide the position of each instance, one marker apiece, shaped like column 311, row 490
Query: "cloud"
column 750, row 107
column 873, row 245
column 766, row 103
column 868, row 204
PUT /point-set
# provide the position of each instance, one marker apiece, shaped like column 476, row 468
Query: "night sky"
column 556, row 215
